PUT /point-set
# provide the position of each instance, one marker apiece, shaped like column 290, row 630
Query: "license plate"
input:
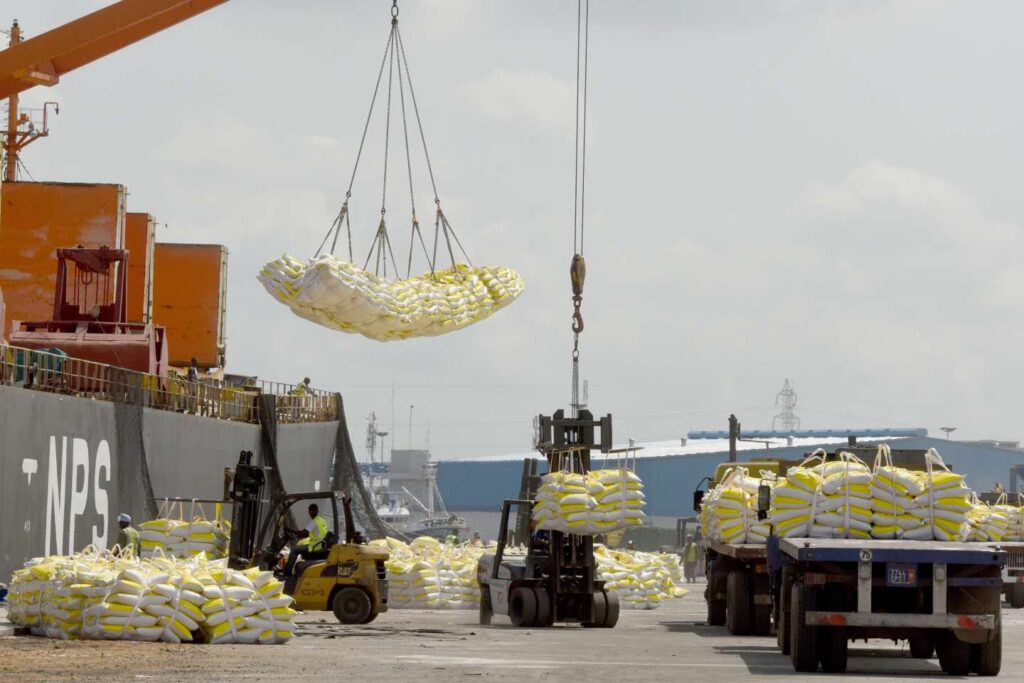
column 901, row 575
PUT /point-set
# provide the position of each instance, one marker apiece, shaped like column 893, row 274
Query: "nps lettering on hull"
column 66, row 506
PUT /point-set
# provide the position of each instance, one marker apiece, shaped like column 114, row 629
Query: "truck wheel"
column 784, row 597
column 762, row 620
column 954, row 655
column 611, row 610
column 832, row 642
column 486, row 610
column 1015, row 595
column 545, row 610
column 803, row 645
column 522, row 607
column 716, row 584
column 599, row 613
column 922, row 646
column 987, row 658
column 738, row 605
column 351, row 605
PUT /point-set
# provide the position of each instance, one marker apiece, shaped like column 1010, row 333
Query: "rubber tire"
column 987, row 658
column 833, row 645
column 599, row 611
column 738, row 604
column 611, row 616
column 351, row 605
column 1015, row 595
column 922, row 647
column 716, row 607
column 762, row 625
column 545, row 610
column 803, row 645
column 785, row 597
column 369, row 619
column 486, row 610
column 954, row 655
column 522, row 607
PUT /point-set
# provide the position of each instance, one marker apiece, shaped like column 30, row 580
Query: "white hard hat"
column 124, row 517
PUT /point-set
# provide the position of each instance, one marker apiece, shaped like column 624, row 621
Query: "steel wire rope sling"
column 578, row 267
column 483, row 290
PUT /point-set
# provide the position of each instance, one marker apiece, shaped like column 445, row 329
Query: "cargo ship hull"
column 69, row 465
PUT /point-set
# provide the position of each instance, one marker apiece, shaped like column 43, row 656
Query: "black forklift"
column 556, row 580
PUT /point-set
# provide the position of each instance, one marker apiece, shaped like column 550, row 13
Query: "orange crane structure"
column 42, row 60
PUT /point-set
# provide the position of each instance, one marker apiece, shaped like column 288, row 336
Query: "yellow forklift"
column 351, row 580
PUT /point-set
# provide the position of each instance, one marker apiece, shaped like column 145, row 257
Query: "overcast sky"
column 824, row 191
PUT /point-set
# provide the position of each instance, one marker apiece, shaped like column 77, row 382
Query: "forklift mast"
column 246, row 494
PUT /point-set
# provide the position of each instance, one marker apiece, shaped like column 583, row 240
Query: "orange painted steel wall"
column 189, row 299
column 139, row 237
column 38, row 218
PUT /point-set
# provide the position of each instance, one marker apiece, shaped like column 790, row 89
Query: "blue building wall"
column 669, row 481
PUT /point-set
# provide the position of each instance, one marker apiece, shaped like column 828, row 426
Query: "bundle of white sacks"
column 587, row 504
column 428, row 574
column 343, row 296
column 641, row 580
column 176, row 538
column 95, row 595
column 729, row 511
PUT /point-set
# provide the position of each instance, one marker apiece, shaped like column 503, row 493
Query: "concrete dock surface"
column 669, row 643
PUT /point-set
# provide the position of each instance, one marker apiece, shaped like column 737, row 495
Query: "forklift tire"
column 987, row 658
column 545, row 610
column 486, row 610
column 785, row 598
column 1015, row 595
column 611, row 616
column 352, row 605
column 369, row 619
column 954, row 655
column 738, row 603
column 833, row 646
column 922, row 646
column 803, row 645
column 522, row 607
column 600, row 611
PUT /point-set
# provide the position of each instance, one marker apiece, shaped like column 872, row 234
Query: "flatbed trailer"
column 738, row 592
column 1013, row 572
column 939, row 596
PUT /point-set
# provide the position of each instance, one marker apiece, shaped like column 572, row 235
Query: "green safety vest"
column 690, row 552
column 316, row 539
column 132, row 537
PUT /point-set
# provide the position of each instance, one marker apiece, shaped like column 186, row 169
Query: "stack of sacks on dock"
column 1014, row 519
column 343, row 296
column 729, row 511
column 184, row 539
column 641, row 580
column 987, row 523
column 428, row 574
column 587, row 504
column 101, row 596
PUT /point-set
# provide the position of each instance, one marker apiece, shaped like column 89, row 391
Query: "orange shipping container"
column 190, row 299
column 37, row 219
column 139, row 236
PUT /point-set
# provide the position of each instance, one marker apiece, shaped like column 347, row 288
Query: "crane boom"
column 42, row 60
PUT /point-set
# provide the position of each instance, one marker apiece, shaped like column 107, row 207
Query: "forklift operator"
column 312, row 546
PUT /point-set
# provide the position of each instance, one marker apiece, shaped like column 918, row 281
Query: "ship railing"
column 58, row 373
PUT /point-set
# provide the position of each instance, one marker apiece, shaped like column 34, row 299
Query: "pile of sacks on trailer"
column 846, row 498
column 597, row 502
column 641, row 580
column 181, row 539
column 100, row 596
column 429, row 574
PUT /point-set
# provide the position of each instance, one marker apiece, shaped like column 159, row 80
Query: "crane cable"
column 578, row 267
column 395, row 60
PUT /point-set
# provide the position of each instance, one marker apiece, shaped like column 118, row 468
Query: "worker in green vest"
column 128, row 537
column 312, row 545
column 690, row 560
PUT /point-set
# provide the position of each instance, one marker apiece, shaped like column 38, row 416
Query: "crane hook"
column 577, row 276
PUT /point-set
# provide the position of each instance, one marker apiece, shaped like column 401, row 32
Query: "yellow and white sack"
column 843, row 508
column 942, row 505
column 795, row 498
column 343, row 296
